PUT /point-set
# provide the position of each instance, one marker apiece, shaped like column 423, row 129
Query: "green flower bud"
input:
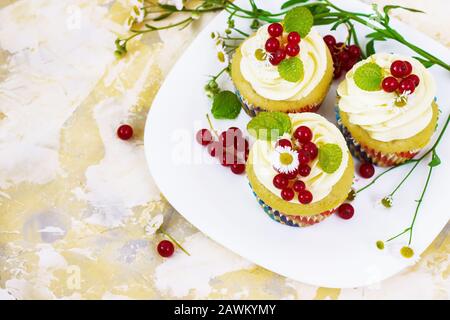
column 380, row 244
column 387, row 201
column 255, row 24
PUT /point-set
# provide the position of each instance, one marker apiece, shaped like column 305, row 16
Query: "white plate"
column 334, row 253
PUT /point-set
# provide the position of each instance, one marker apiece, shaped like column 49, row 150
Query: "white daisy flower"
column 177, row 3
column 222, row 56
column 137, row 13
column 154, row 224
column 285, row 160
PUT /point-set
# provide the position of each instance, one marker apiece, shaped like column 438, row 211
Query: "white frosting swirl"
column 375, row 111
column 264, row 77
column 319, row 183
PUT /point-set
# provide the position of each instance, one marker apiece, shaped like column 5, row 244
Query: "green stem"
column 398, row 235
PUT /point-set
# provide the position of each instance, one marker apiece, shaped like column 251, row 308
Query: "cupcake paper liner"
column 367, row 154
column 290, row 220
column 253, row 110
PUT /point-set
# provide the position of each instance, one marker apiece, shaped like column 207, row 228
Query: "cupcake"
column 304, row 175
column 277, row 69
column 386, row 109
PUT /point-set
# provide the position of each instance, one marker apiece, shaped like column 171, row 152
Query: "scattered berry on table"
column 346, row 211
column 125, row 132
column 204, row 137
column 165, row 248
column 366, row 170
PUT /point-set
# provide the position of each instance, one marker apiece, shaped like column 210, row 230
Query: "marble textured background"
column 75, row 201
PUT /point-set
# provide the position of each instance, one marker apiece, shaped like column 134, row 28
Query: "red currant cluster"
column 401, row 70
column 231, row 149
column 344, row 57
column 280, row 46
column 307, row 152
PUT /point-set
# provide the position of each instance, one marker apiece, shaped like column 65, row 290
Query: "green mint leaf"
column 291, row 3
column 291, row 69
column 269, row 125
column 330, row 157
column 299, row 19
column 435, row 160
column 226, row 105
column 368, row 77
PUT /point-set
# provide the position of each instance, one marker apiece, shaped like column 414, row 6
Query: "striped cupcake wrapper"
column 290, row 220
column 253, row 110
column 367, row 154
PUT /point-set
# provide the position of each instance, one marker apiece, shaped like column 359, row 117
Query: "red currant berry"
column 366, row 170
column 344, row 57
column 241, row 145
column 275, row 29
column 406, row 85
column 214, row 148
column 287, row 194
column 293, row 37
column 292, row 49
column 346, row 211
column 305, row 197
column 276, row 57
column 350, row 63
column 235, row 131
column 226, row 139
column 237, row 168
column 125, row 132
column 299, row 186
column 409, row 67
column 291, row 175
column 311, row 149
column 303, row 134
column 303, row 157
column 304, row 170
column 284, row 143
column 227, row 159
column 354, row 51
column 280, row 181
column 390, row 84
column 204, row 137
column 165, row 248
column 414, row 78
column 399, row 69
column 272, row 45
column 337, row 72
column 338, row 47
column 330, row 40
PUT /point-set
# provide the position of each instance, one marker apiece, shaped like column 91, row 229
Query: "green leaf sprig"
column 388, row 200
column 269, row 125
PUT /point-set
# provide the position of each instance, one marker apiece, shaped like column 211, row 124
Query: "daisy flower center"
column 286, row 158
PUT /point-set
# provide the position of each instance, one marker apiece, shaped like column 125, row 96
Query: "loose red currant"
column 399, row 69
column 303, row 157
column 237, row 168
column 284, row 143
column 414, row 78
column 204, row 137
column 311, row 149
column 346, row 211
column 299, row 186
column 276, row 57
column 287, row 194
column 280, row 181
column 214, row 148
column 389, row 84
column 293, row 37
column 292, row 49
column 275, row 29
column 165, row 248
column 354, row 51
column 303, row 134
column 406, row 85
column 366, row 170
column 409, row 67
column 272, row 45
column 305, row 197
column 330, row 40
column 226, row 139
column 234, row 131
column 125, row 132
column 304, row 170
column 227, row 159
column 291, row 175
